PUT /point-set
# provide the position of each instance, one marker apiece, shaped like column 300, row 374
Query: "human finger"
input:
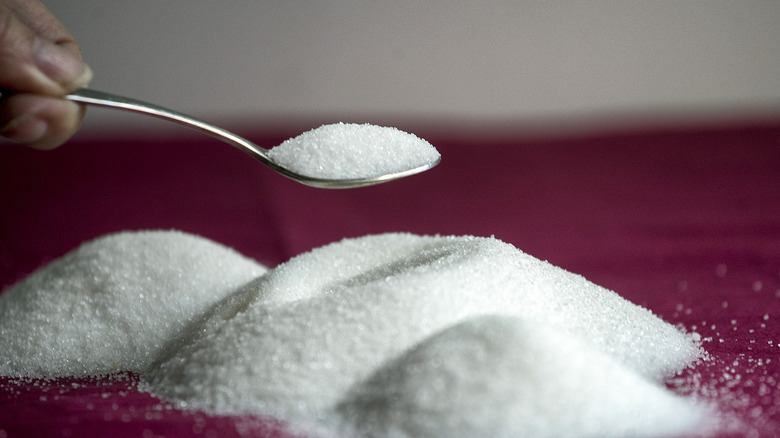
column 41, row 122
column 31, row 62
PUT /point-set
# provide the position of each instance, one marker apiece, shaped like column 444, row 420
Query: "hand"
column 39, row 63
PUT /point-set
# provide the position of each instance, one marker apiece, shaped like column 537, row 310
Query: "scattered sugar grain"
column 353, row 151
column 112, row 303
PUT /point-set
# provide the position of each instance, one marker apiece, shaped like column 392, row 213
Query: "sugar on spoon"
column 332, row 156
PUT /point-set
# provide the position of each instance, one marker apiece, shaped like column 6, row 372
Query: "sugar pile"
column 391, row 335
column 308, row 340
column 112, row 303
column 353, row 151
column 529, row 370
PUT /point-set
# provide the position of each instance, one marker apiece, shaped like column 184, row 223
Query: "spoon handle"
column 108, row 100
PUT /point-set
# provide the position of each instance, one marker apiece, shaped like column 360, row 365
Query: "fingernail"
column 83, row 80
column 26, row 128
column 56, row 62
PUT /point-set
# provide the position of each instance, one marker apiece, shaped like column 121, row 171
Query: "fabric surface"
column 685, row 222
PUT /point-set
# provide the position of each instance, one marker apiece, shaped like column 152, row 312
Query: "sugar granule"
column 112, row 303
column 353, row 151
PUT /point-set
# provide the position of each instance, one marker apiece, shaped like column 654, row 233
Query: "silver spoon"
column 99, row 98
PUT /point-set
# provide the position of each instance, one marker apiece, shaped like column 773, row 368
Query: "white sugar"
column 353, row 151
column 391, row 335
column 295, row 342
column 508, row 376
column 112, row 303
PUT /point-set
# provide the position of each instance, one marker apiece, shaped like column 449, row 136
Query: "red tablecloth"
column 685, row 222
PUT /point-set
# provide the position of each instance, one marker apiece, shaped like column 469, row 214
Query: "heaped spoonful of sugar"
column 341, row 155
column 355, row 151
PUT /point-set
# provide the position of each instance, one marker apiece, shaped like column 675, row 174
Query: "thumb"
column 32, row 64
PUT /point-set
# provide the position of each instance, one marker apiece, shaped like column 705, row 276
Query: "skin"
column 40, row 62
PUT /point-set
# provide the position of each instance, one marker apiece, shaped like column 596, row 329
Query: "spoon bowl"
column 108, row 100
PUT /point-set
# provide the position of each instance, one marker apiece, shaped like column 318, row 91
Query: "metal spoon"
column 99, row 98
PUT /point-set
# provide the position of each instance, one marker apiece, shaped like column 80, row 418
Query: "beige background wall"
column 477, row 64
